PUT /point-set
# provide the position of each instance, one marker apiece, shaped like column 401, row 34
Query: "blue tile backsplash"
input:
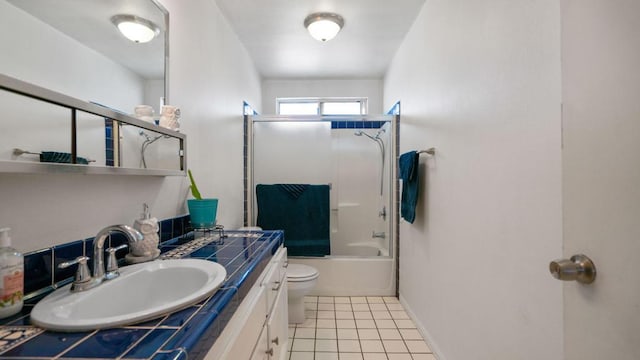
column 187, row 333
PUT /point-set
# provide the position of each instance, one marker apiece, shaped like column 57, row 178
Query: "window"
column 321, row 106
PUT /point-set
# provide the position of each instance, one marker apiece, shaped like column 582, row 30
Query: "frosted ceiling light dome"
column 324, row 26
column 135, row 28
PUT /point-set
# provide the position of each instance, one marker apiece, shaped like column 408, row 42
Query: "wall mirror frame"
column 76, row 106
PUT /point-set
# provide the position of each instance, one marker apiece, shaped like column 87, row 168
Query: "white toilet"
column 301, row 279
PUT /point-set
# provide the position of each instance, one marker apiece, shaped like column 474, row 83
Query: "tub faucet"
column 380, row 235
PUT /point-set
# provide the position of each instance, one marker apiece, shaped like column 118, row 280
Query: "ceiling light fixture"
column 135, row 28
column 323, row 26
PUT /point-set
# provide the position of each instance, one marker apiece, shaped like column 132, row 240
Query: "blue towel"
column 304, row 219
column 410, row 185
column 294, row 190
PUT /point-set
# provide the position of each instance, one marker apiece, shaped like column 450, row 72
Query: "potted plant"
column 202, row 211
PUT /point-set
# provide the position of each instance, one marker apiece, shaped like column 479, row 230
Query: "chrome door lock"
column 579, row 268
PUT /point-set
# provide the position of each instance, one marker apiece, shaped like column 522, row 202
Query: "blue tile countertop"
column 188, row 333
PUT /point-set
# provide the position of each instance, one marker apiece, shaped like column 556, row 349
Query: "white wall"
column 480, row 81
column 275, row 88
column 211, row 74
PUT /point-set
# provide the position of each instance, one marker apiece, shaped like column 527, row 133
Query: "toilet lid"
column 300, row 272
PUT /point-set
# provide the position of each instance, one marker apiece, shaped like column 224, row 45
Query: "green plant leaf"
column 194, row 189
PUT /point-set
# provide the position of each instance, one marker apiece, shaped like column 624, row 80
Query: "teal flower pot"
column 203, row 213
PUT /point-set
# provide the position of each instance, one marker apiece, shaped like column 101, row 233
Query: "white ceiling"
column 89, row 22
column 273, row 33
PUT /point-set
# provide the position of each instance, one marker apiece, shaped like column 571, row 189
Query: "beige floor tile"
column 322, row 314
column 365, row 324
column 385, row 324
column 311, row 299
column 371, row 346
column 347, row 334
column 399, row 356
column 344, row 314
column 417, row 346
column 375, row 299
column 360, row 307
column 307, row 323
column 349, row 346
column 305, row 333
column 374, row 356
column 378, row 307
column 423, row 357
column 296, row 355
column 324, row 345
column 303, row 345
column 395, row 346
column 326, row 334
column 326, row 324
column 390, row 299
column 382, row 315
column 368, row 334
column 325, row 299
column 358, row 300
column 411, row 334
column 310, row 314
column 342, row 300
column 389, row 334
column 292, row 331
column 345, row 324
column 350, row 356
column 362, row 315
column 311, row 306
column 405, row 324
column 327, row 356
column 343, row 307
column 395, row 306
column 326, row 307
column 399, row 314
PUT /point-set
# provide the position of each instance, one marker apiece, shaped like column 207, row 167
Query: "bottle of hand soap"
column 11, row 276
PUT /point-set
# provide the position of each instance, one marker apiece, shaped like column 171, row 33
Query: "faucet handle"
column 112, row 262
column 83, row 275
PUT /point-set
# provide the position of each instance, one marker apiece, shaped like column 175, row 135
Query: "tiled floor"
column 356, row 328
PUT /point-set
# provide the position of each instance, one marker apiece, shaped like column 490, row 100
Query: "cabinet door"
column 277, row 324
column 262, row 350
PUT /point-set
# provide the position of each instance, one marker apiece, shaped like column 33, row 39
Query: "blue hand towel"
column 410, row 185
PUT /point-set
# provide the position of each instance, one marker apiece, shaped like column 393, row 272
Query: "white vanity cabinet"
column 259, row 328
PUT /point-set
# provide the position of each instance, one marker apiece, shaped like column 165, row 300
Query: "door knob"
column 579, row 268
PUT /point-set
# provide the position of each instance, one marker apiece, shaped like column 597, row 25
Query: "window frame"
column 364, row 107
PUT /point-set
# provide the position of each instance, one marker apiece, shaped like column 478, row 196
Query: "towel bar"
column 430, row 151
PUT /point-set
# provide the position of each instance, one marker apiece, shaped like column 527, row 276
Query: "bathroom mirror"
column 45, row 131
column 71, row 49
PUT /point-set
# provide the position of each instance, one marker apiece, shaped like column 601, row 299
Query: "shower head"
column 360, row 133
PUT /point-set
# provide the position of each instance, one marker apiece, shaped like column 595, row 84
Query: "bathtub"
column 351, row 275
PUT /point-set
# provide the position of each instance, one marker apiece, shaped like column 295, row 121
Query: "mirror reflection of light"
column 135, row 28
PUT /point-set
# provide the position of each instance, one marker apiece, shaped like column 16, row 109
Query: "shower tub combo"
column 356, row 157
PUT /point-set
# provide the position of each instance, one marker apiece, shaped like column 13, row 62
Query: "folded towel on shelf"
column 304, row 219
column 60, row 158
column 410, row 185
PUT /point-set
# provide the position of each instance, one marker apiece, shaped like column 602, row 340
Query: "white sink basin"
column 141, row 292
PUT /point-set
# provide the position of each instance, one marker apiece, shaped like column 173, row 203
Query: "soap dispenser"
column 147, row 249
column 11, row 276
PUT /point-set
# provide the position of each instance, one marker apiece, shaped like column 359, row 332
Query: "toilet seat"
column 300, row 272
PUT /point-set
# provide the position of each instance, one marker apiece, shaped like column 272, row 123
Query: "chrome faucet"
column 132, row 235
column 84, row 280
